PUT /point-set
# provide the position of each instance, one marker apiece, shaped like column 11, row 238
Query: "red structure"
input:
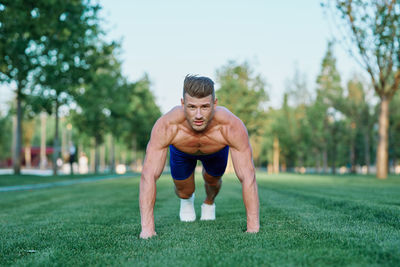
column 35, row 157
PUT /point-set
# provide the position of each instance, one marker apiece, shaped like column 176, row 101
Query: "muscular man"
column 198, row 130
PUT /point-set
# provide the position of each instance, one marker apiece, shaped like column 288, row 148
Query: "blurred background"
column 82, row 82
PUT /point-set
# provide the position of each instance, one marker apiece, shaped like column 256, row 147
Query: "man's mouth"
column 198, row 123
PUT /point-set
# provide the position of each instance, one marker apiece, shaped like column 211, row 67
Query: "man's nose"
column 198, row 113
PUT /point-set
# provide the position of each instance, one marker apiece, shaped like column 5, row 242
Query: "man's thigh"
column 182, row 165
column 215, row 164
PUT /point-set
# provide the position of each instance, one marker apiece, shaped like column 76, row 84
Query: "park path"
column 62, row 183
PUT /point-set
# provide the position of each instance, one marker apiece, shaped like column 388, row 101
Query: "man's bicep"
column 241, row 152
column 154, row 161
column 156, row 151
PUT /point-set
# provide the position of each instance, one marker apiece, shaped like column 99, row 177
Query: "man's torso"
column 209, row 141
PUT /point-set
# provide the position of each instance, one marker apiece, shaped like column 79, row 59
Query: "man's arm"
column 153, row 166
column 244, row 168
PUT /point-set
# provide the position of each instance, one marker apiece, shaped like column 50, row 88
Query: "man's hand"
column 253, row 231
column 147, row 234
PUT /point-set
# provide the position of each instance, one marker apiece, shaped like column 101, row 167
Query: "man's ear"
column 182, row 102
column 215, row 102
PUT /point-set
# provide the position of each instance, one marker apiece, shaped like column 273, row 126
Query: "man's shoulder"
column 225, row 117
column 172, row 117
column 232, row 127
column 166, row 127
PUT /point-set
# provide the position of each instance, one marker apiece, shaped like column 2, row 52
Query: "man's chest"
column 199, row 143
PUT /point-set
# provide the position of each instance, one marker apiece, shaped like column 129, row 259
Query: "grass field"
column 13, row 180
column 305, row 220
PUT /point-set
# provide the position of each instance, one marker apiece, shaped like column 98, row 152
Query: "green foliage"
column 243, row 93
column 92, row 117
column 373, row 31
column 329, row 99
column 5, row 136
column 394, row 128
column 110, row 104
column 65, row 45
column 20, row 33
column 306, row 220
column 329, row 89
column 141, row 114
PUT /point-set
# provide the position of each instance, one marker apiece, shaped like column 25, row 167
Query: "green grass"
column 12, row 180
column 305, row 220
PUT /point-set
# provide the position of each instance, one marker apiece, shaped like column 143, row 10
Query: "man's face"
column 199, row 111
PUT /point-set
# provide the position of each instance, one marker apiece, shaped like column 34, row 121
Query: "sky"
column 170, row 39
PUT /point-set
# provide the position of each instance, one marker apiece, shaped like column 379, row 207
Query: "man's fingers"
column 147, row 235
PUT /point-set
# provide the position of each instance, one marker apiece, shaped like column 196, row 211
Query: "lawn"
column 14, row 180
column 305, row 220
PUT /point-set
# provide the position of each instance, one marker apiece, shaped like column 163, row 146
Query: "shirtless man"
column 198, row 130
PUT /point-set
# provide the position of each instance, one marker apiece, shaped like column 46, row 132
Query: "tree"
column 372, row 29
column 394, row 130
column 357, row 111
column 299, row 99
column 67, row 41
column 94, row 100
column 141, row 113
column 329, row 99
column 20, row 32
column 243, row 93
column 5, row 135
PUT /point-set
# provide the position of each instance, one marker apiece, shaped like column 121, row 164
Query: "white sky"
column 169, row 39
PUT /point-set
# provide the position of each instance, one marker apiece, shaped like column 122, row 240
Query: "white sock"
column 187, row 212
column 207, row 212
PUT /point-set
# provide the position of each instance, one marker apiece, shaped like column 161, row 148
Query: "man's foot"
column 187, row 213
column 207, row 212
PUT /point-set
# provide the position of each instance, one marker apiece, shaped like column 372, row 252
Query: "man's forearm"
column 147, row 199
column 251, row 203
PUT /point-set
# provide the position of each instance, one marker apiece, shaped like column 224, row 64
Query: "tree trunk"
column 333, row 166
column 276, row 155
column 43, row 159
column 134, row 152
column 367, row 145
column 270, row 168
column 317, row 161
column 28, row 161
column 64, row 142
column 96, row 155
column 352, row 155
column 18, row 135
column 92, row 159
column 14, row 138
column 102, row 157
column 56, row 149
column 325, row 160
column 112, row 167
column 382, row 150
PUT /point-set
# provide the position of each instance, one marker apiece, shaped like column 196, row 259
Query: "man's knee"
column 184, row 192
column 211, row 180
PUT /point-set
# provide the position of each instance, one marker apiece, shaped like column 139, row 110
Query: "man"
column 72, row 156
column 198, row 130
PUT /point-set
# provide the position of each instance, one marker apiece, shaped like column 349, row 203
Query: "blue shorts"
column 183, row 164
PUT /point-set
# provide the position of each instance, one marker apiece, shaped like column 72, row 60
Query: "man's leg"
column 185, row 191
column 185, row 188
column 212, row 185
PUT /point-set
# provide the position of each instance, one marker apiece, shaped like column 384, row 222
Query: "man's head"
column 198, row 87
column 198, row 101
